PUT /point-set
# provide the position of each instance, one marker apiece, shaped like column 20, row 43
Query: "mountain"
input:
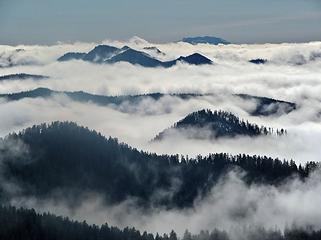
column 63, row 157
column 108, row 54
column 264, row 106
column 22, row 76
column 194, row 59
column 205, row 39
column 208, row 124
column 135, row 57
column 101, row 53
column 258, row 61
column 81, row 96
column 85, row 97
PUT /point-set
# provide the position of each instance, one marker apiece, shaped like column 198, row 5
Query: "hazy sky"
column 239, row 21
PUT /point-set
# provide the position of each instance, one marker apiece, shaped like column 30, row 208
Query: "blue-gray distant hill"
column 264, row 106
column 109, row 54
column 205, row 39
column 22, row 76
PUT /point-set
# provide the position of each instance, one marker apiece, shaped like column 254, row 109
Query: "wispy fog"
column 231, row 205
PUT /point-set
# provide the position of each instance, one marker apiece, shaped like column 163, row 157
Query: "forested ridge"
column 264, row 106
column 26, row 224
column 217, row 124
column 64, row 156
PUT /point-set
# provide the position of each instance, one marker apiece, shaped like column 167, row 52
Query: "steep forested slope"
column 24, row 224
column 216, row 124
column 63, row 157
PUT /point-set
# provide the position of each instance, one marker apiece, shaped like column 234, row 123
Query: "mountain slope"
column 101, row 53
column 26, row 224
column 71, row 56
column 207, row 124
column 135, row 57
column 65, row 158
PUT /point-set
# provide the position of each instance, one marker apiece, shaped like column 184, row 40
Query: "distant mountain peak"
column 135, row 57
column 205, row 39
column 138, row 40
column 101, row 53
column 110, row 54
column 195, row 59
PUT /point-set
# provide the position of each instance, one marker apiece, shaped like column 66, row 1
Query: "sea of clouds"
column 292, row 73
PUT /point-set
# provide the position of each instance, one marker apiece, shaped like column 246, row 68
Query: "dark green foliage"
column 218, row 124
column 71, row 159
column 23, row 224
column 258, row 61
column 26, row 224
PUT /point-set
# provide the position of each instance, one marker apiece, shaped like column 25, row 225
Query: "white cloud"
column 280, row 78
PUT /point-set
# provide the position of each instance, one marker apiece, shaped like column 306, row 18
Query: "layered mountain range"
column 109, row 54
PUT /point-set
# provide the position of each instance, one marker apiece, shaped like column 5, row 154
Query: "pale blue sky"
column 239, row 21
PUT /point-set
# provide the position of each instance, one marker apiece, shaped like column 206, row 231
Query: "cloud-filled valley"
column 118, row 100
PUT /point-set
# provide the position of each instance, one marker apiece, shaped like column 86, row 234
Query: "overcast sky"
column 239, row 21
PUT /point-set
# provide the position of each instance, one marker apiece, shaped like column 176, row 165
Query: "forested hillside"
column 217, row 124
column 17, row 224
column 64, row 156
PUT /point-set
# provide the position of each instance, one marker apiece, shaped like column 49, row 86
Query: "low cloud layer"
column 138, row 124
column 293, row 73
